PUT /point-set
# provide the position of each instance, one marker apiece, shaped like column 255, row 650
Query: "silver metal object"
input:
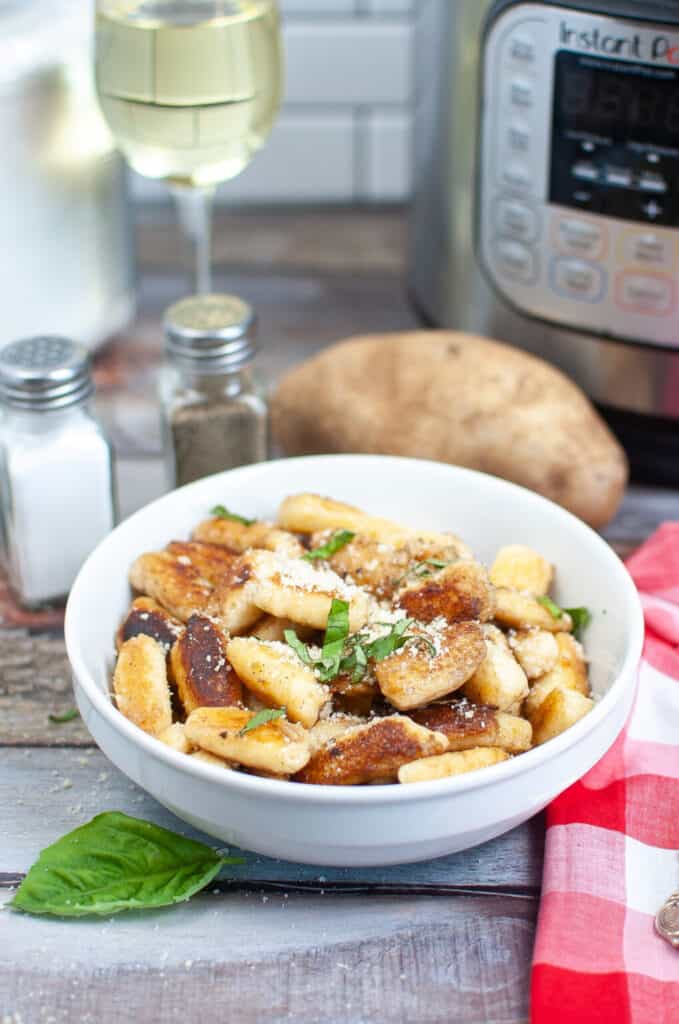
column 491, row 252
column 66, row 258
column 44, row 373
column 57, row 499
column 215, row 332
column 667, row 921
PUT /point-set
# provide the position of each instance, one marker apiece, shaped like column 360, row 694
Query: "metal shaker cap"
column 45, row 372
column 213, row 332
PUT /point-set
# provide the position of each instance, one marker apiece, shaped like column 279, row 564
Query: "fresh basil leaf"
column 261, row 718
column 421, row 569
column 220, row 512
column 67, row 716
column 336, row 633
column 381, row 648
column 581, row 619
column 116, row 863
column 551, row 606
column 338, row 540
column 300, row 649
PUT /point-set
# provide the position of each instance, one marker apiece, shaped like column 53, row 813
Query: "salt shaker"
column 214, row 415
column 56, row 468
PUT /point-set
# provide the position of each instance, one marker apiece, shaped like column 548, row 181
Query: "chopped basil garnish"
column 336, row 633
column 551, row 606
column 298, row 647
column 116, row 863
column 338, row 540
column 581, row 619
column 393, row 641
column 261, row 718
column 67, row 716
column 422, row 569
column 349, row 655
column 220, row 512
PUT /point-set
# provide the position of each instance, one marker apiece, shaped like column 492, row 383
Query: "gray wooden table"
column 431, row 943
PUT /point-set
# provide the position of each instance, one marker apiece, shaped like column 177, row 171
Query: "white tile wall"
column 344, row 130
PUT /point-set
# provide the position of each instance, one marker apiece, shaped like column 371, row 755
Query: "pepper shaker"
column 56, row 467
column 214, row 415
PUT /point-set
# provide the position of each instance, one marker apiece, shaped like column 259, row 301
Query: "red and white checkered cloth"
column 612, row 853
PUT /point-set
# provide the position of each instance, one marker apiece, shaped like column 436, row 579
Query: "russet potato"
column 456, row 398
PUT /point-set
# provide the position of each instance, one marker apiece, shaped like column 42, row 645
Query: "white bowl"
column 373, row 825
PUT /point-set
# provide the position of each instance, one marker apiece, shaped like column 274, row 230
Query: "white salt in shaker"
column 56, row 467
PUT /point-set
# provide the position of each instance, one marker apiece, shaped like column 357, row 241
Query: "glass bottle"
column 215, row 416
column 56, row 467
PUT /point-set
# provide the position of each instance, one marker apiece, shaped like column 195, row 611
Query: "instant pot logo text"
column 633, row 47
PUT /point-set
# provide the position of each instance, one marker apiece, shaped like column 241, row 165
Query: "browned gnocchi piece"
column 560, row 709
column 201, row 672
column 536, row 651
column 518, row 610
column 274, row 673
column 520, row 568
column 147, row 616
column 416, row 675
column 175, row 584
column 466, row 725
column 278, row 747
column 140, row 684
column 371, row 753
column 447, row 766
column 499, row 680
column 457, row 593
column 240, row 537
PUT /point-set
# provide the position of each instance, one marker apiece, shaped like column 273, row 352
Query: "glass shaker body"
column 214, row 410
column 57, row 497
column 211, row 422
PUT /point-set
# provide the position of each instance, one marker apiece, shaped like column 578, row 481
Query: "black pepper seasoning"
column 214, row 415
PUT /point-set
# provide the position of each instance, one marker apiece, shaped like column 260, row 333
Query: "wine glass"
column 190, row 90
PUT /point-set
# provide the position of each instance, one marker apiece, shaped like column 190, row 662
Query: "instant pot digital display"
column 616, row 138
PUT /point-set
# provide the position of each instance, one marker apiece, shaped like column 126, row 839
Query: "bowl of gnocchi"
column 354, row 660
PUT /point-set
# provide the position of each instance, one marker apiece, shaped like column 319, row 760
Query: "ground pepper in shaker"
column 214, row 415
column 56, row 467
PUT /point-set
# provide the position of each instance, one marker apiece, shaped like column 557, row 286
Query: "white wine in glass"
column 190, row 90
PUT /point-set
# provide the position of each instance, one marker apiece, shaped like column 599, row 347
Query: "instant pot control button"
column 650, row 249
column 514, row 219
column 516, row 176
column 575, row 236
column 521, row 48
column 651, row 294
column 577, row 279
column 516, row 261
column 521, row 92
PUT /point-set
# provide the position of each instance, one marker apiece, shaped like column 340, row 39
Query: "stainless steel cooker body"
column 520, row 228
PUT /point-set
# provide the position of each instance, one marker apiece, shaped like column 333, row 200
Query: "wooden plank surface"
column 51, row 791
column 250, row 958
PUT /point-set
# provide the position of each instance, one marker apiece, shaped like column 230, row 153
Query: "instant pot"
column 546, row 209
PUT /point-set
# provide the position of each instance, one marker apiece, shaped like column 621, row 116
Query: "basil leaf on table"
column 338, row 541
column 220, row 512
column 66, row 716
column 116, row 863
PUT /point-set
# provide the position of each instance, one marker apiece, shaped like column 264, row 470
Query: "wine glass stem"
column 194, row 206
